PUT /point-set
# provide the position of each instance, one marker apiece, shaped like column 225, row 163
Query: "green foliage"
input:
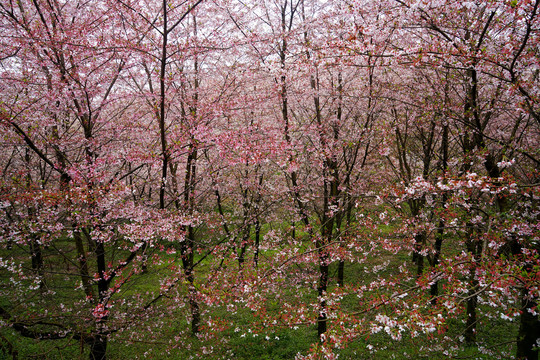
column 283, row 344
column 237, row 341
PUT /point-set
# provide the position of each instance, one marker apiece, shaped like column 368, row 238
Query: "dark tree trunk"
column 188, row 248
column 98, row 348
column 341, row 273
column 474, row 246
column 529, row 329
column 193, row 303
column 419, row 240
column 323, row 285
column 257, row 241
column 470, row 327
column 187, row 262
column 434, row 291
column 258, row 222
column 243, row 248
column 246, row 225
column 37, row 258
column 83, row 264
column 161, row 111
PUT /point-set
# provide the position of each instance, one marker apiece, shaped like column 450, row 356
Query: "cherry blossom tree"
column 61, row 100
column 239, row 153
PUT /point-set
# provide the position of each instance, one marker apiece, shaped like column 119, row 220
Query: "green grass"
column 157, row 334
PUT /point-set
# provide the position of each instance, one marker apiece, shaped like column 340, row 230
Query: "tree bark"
column 529, row 328
column 439, row 237
column 474, row 247
column 98, row 348
column 83, row 264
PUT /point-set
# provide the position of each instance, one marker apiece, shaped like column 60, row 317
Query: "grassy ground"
column 157, row 335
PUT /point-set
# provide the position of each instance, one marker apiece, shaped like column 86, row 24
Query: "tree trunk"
column 419, row 240
column 243, row 248
column 187, row 262
column 193, row 303
column 341, row 273
column 529, row 329
column 434, row 291
column 475, row 249
column 470, row 327
column 37, row 258
column 246, row 225
column 83, row 264
column 323, row 285
column 257, row 240
column 98, row 348
column 161, row 111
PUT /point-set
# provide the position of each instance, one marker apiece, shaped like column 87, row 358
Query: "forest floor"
column 496, row 338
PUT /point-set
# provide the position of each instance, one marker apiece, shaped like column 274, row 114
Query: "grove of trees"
column 178, row 176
